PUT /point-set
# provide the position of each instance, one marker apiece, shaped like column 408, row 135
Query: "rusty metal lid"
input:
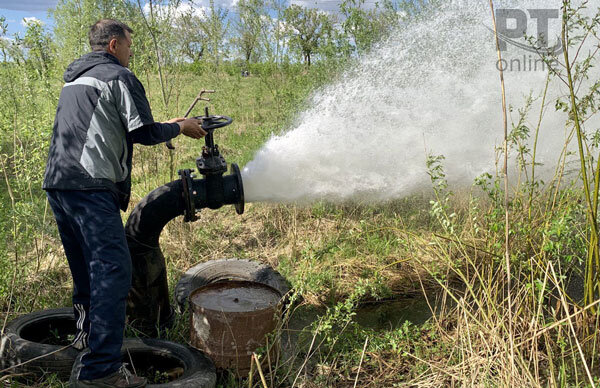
column 235, row 297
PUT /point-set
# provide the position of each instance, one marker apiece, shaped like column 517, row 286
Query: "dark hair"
column 104, row 30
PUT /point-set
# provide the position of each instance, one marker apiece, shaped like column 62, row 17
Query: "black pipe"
column 148, row 306
column 215, row 191
column 148, row 302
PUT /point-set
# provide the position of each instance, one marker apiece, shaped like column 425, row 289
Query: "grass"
column 338, row 257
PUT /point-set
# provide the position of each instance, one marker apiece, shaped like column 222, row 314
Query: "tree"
column 39, row 48
column 308, row 27
column 157, row 23
column 335, row 44
column 73, row 18
column 359, row 24
column 215, row 27
column 365, row 27
column 274, row 42
column 191, row 37
column 4, row 42
column 249, row 27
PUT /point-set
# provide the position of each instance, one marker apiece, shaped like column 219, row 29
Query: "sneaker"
column 120, row 379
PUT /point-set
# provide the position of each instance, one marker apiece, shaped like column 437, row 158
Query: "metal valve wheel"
column 212, row 122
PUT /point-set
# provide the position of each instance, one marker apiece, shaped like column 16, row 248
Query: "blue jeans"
column 92, row 233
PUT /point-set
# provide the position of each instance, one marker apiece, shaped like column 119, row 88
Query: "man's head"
column 113, row 37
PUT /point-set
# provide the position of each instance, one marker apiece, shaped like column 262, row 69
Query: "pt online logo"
column 512, row 26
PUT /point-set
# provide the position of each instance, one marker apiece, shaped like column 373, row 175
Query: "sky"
column 15, row 11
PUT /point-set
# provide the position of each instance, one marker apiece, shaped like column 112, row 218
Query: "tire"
column 226, row 269
column 186, row 366
column 27, row 337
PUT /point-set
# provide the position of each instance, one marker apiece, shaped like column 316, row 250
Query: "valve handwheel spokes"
column 212, row 122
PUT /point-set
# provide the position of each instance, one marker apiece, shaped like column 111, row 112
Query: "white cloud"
column 182, row 9
column 198, row 8
column 194, row 9
column 31, row 20
column 230, row 4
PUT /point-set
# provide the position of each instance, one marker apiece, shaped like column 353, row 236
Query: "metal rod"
column 199, row 97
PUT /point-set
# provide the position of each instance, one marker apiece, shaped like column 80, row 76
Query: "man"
column 101, row 112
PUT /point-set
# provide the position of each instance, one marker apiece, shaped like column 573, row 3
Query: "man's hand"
column 189, row 127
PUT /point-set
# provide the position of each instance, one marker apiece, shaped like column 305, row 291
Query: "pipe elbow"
column 150, row 216
column 148, row 304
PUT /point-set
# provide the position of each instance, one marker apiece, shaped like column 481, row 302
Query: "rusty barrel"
column 230, row 320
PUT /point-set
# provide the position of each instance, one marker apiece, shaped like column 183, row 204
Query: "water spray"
column 430, row 89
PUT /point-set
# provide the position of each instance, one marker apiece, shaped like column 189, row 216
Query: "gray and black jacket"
column 101, row 112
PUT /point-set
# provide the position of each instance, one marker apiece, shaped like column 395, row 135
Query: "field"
column 443, row 249
column 421, row 291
